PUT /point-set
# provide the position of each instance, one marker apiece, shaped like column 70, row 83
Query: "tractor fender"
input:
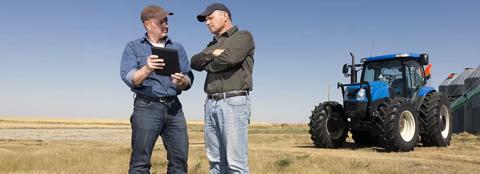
column 422, row 93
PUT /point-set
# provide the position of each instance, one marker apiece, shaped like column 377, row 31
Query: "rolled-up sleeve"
column 128, row 65
column 235, row 53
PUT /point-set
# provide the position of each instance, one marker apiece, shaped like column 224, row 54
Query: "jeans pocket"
column 142, row 103
column 205, row 103
column 174, row 107
column 237, row 101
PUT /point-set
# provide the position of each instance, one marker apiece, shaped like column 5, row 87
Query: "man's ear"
column 147, row 25
column 225, row 16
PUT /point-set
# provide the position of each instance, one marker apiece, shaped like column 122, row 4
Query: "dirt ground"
column 103, row 146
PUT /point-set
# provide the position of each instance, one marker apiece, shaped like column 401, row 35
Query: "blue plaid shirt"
column 135, row 57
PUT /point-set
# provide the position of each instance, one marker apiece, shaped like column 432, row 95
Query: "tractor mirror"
column 345, row 69
column 423, row 59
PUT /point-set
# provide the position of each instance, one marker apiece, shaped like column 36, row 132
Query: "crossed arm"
column 224, row 58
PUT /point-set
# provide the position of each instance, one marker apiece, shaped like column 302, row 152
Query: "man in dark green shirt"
column 228, row 61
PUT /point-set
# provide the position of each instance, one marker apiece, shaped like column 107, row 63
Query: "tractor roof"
column 393, row 56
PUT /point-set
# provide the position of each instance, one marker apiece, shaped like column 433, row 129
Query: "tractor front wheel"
column 399, row 125
column 328, row 127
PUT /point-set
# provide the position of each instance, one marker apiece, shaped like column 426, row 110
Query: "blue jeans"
column 151, row 119
column 226, row 134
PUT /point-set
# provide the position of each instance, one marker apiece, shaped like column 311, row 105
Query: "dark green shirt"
column 231, row 70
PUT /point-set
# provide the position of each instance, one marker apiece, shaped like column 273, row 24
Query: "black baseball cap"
column 210, row 9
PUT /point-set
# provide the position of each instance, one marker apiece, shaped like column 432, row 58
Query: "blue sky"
column 61, row 58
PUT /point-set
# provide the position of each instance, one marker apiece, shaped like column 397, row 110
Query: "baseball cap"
column 210, row 9
column 154, row 11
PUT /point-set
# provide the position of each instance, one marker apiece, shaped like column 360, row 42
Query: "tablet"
column 170, row 57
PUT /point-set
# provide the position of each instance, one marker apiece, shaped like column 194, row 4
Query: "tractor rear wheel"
column 399, row 125
column 328, row 127
column 436, row 120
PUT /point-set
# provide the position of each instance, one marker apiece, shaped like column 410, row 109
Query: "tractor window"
column 389, row 71
column 369, row 74
column 414, row 75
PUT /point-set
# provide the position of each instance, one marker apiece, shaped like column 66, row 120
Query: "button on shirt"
column 135, row 57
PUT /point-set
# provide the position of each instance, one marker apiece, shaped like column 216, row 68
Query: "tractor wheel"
column 363, row 138
column 328, row 126
column 399, row 125
column 437, row 120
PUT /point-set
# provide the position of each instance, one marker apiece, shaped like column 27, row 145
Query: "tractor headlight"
column 361, row 94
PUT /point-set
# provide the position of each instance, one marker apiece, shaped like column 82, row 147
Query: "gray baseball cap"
column 210, row 9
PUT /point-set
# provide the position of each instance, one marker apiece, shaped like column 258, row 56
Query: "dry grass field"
column 102, row 146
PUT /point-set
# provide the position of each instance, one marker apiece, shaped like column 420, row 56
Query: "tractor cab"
column 403, row 73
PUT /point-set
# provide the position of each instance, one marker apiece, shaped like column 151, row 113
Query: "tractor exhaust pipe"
column 353, row 73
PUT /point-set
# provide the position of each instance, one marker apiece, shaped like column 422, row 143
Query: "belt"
column 154, row 99
column 224, row 95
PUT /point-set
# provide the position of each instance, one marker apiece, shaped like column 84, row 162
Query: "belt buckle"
column 218, row 96
column 164, row 99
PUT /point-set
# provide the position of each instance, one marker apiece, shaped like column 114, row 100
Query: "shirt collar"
column 227, row 33
column 145, row 39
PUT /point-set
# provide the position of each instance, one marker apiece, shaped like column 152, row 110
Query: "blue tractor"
column 390, row 107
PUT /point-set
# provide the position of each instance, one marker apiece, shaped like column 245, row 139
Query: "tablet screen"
column 170, row 57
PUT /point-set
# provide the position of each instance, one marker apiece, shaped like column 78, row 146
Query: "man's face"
column 216, row 21
column 157, row 26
